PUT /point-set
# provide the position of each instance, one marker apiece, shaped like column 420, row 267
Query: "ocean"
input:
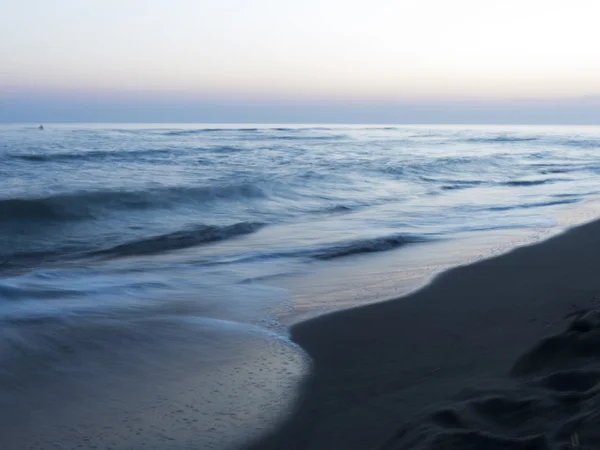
column 148, row 272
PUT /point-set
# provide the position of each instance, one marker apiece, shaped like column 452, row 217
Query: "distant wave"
column 191, row 237
column 532, row 182
column 447, row 166
column 311, row 138
column 578, row 195
column 117, row 155
column 457, row 186
column 534, row 205
column 428, row 135
column 379, row 244
column 548, row 171
column 88, row 155
column 583, row 143
column 337, row 209
column 189, row 132
column 206, row 130
column 500, row 139
column 88, row 204
column 303, row 129
column 448, row 184
column 221, row 149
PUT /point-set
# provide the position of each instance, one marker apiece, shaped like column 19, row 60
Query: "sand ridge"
column 554, row 404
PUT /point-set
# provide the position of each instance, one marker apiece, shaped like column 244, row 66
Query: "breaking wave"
column 177, row 240
column 91, row 204
column 379, row 244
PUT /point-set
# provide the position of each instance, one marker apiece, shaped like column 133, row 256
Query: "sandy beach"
column 497, row 354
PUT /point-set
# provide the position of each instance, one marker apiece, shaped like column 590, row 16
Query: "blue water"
column 107, row 227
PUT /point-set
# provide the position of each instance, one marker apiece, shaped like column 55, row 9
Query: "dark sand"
column 464, row 362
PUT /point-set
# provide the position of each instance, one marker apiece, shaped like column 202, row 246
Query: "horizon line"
column 296, row 123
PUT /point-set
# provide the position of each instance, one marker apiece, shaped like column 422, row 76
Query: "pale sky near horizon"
column 328, row 52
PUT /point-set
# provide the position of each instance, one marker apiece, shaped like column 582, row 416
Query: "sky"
column 336, row 61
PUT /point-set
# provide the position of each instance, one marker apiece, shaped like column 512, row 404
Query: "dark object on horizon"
column 41, row 127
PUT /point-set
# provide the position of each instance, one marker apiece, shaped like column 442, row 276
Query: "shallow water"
column 160, row 248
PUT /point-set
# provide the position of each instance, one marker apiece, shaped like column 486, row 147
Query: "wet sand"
column 486, row 356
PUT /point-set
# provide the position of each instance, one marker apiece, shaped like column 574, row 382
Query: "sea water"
column 140, row 301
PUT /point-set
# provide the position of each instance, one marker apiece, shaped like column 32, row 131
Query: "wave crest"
column 501, row 139
column 89, row 204
column 532, row 182
column 88, row 155
column 206, row 130
column 177, row 240
column 379, row 244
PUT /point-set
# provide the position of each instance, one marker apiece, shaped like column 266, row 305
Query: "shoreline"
column 378, row 277
column 379, row 366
